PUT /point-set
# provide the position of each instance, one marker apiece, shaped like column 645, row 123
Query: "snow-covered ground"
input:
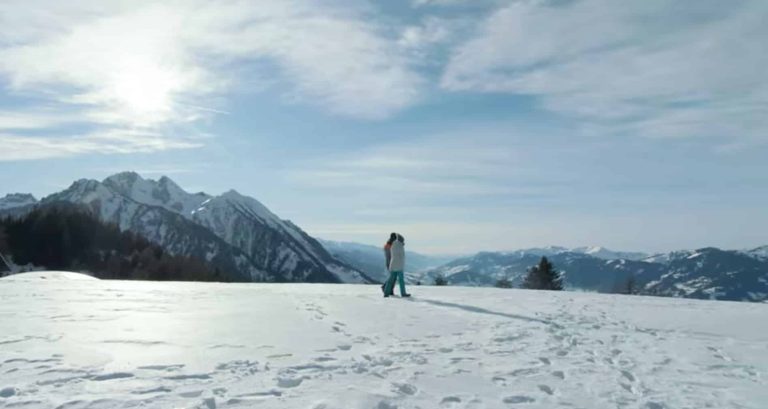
column 109, row 344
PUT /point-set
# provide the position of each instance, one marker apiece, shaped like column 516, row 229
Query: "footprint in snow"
column 111, row 376
column 405, row 389
column 628, row 375
column 386, row 405
column 289, row 382
column 450, row 399
column 518, row 399
column 546, row 389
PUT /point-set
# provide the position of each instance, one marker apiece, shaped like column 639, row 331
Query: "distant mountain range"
column 232, row 232
column 239, row 236
column 707, row 273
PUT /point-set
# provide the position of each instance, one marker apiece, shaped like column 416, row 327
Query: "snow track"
column 110, row 344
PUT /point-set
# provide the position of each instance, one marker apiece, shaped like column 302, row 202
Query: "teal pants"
column 394, row 276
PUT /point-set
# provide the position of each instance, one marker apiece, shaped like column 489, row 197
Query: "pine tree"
column 628, row 286
column 543, row 277
column 440, row 280
column 3, row 240
column 503, row 283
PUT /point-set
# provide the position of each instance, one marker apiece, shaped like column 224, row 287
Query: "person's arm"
column 387, row 255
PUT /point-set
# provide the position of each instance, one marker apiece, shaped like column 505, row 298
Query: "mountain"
column 65, row 236
column 705, row 273
column 16, row 204
column 606, row 254
column 370, row 259
column 713, row 273
column 13, row 200
column 760, row 253
column 232, row 232
column 581, row 271
column 594, row 251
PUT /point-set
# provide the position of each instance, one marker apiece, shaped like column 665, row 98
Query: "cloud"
column 461, row 165
column 17, row 147
column 650, row 68
column 146, row 64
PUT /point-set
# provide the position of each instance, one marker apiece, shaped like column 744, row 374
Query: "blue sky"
column 465, row 125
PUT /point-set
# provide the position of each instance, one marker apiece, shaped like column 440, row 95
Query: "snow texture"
column 113, row 344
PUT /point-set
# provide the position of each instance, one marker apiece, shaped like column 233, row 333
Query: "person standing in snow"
column 396, row 266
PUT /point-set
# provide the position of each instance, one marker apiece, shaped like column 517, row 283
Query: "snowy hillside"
column 112, row 344
column 235, row 233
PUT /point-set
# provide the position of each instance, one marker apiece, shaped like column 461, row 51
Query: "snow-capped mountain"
column 582, row 271
column 704, row 273
column 594, row 251
column 235, row 233
column 370, row 259
column 759, row 253
column 16, row 200
column 713, row 273
column 606, row 254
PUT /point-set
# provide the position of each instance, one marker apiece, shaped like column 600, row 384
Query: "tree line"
column 67, row 237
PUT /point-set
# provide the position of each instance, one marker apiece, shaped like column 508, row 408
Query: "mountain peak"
column 128, row 177
column 12, row 200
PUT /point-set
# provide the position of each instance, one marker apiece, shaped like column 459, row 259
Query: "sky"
column 465, row 125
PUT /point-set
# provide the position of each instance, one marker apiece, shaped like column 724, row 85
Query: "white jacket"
column 398, row 256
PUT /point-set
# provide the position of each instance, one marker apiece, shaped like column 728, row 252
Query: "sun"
column 144, row 89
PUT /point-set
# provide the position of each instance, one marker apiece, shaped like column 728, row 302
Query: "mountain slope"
column 64, row 236
column 171, row 231
column 713, row 273
column 760, row 253
column 231, row 231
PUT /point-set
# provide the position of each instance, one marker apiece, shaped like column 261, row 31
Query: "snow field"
column 109, row 344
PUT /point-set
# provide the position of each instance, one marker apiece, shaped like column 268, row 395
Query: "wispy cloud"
column 16, row 147
column 464, row 164
column 147, row 64
column 659, row 69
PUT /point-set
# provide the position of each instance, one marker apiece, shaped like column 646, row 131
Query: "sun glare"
column 144, row 89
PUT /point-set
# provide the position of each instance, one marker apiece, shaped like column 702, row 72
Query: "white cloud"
column 149, row 64
column 15, row 147
column 654, row 68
